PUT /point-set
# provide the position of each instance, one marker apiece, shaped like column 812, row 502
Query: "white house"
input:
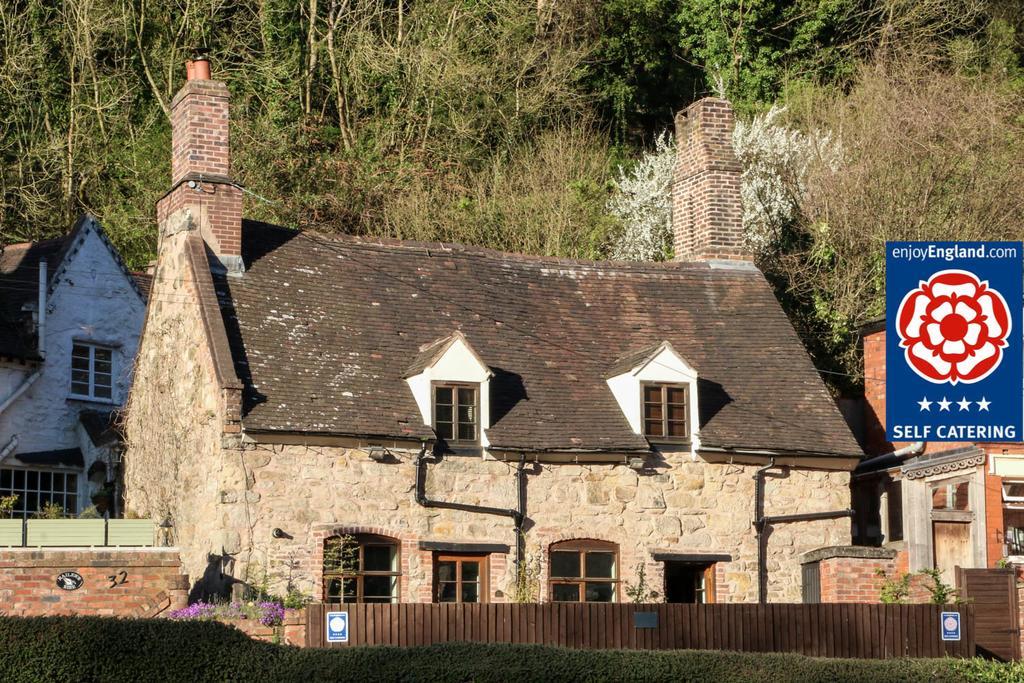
column 70, row 319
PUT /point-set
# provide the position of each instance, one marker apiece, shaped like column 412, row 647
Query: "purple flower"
column 197, row 610
column 272, row 613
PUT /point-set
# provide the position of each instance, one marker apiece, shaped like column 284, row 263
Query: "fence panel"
column 823, row 629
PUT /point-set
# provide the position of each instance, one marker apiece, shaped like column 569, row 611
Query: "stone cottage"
column 70, row 319
column 454, row 413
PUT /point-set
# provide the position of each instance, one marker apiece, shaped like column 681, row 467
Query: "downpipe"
column 518, row 515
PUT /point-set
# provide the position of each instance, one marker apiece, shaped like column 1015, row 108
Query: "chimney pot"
column 197, row 69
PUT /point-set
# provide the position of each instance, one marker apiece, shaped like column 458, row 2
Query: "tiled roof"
column 323, row 330
column 19, row 285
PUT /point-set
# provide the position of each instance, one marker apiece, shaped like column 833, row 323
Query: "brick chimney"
column 201, row 166
column 707, row 213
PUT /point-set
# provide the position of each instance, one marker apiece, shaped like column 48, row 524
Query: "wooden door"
column 994, row 595
column 952, row 543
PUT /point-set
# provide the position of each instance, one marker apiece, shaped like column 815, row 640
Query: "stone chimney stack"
column 201, row 166
column 707, row 212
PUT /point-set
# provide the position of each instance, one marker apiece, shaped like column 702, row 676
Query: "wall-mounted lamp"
column 378, row 453
column 278, row 532
column 166, row 528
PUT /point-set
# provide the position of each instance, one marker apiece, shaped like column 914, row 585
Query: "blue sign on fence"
column 954, row 368
column 951, row 626
column 337, row 627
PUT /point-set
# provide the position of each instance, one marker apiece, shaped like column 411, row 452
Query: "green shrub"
column 104, row 649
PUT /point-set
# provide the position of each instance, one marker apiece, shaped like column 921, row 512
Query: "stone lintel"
column 855, row 551
column 448, row 547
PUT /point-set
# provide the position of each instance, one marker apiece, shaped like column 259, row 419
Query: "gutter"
column 41, row 316
column 9, row 448
column 763, row 524
column 889, row 459
column 518, row 515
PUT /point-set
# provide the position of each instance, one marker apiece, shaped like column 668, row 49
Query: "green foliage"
column 7, row 505
column 638, row 591
column 72, row 649
column 941, row 592
column 894, row 590
column 50, row 511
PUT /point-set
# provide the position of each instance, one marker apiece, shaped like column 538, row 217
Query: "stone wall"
column 124, row 583
column 687, row 506
column 179, row 461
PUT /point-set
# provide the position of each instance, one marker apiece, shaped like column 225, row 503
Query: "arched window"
column 583, row 571
column 362, row 568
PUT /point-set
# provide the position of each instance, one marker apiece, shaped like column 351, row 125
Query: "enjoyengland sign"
column 953, row 341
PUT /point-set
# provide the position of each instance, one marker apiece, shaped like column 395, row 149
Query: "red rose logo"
column 954, row 328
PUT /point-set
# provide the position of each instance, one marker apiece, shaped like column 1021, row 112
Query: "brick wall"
column 707, row 212
column 291, row 632
column 146, row 582
column 200, row 147
column 851, row 574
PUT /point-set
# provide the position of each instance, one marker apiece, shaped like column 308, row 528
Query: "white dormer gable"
column 660, row 364
column 450, row 360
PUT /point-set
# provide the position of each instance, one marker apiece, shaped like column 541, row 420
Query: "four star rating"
column 963, row 404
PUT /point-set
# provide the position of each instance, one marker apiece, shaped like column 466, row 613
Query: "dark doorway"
column 689, row 582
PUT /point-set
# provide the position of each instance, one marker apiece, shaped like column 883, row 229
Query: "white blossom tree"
column 775, row 161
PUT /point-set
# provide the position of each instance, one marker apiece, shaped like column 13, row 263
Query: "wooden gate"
column 819, row 630
column 993, row 592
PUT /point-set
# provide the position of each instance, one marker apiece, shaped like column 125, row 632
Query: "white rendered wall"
column 457, row 364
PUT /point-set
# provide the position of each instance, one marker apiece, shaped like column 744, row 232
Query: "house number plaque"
column 70, row 581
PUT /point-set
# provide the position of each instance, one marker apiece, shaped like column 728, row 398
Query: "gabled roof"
column 636, row 359
column 323, row 329
column 430, row 353
column 19, row 282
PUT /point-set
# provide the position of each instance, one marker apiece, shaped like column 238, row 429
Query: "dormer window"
column 457, row 413
column 666, row 411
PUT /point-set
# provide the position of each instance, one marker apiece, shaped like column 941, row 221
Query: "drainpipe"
column 518, row 515
column 762, row 525
column 20, row 389
column 896, row 457
column 41, row 316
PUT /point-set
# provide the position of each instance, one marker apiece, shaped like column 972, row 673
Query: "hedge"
column 108, row 649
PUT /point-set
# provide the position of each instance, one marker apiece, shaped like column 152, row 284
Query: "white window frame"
column 1007, row 498
column 91, row 395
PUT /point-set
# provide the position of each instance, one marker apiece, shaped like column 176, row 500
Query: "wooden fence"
column 820, row 630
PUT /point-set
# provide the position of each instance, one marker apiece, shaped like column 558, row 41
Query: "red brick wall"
column 291, row 632
column 200, row 145
column 707, row 212
column 856, row 579
column 152, row 582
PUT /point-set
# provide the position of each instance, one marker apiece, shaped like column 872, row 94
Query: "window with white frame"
column 37, row 489
column 92, row 372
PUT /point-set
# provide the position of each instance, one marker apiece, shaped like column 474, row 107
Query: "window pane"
column 5, row 479
column 467, row 414
column 961, row 496
column 677, row 413
column 446, row 592
column 467, row 432
column 19, row 479
column 32, row 501
column 32, row 479
column 677, row 429
column 470, row 592
column 467, row 397
column 676, row 395
column 78, row 363
column 653, row 428
column 102, row 366
column 445, row 430
column 101, row 392
column 103, row 356
column 652, row 394
column 378, row 558
column 71, row 504
column 80, row 376
column 1014, row 489
column 333, row 588
column 470, row 571
column 446, row 571
column 443, row 413
column 600, row 565
column 939, row 498
column 380, row 587
column 652, row 411
column 600, row 592
column 565, row 563
column 565, row 592
column 80, row 351
column 443, row 395
column 46, row 481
